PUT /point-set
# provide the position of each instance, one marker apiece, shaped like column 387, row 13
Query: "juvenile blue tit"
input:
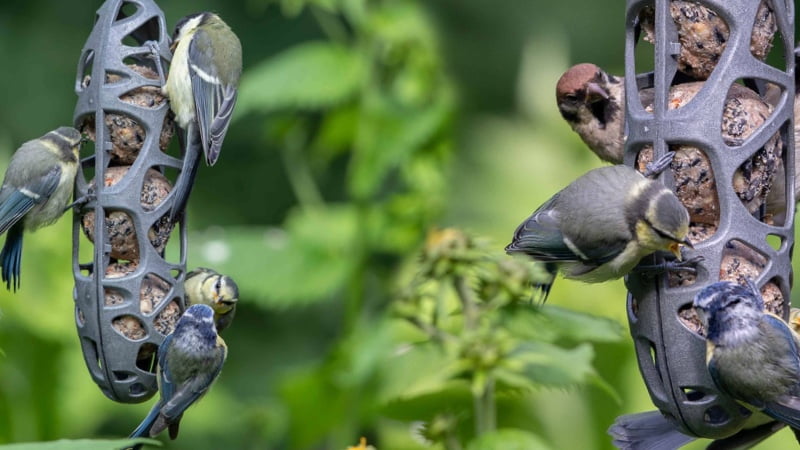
column 206, row 286
column 202, row 86
column 36, row 189
column 752, row 355
column 601, row 225
column 652, row 431
column 189, row 360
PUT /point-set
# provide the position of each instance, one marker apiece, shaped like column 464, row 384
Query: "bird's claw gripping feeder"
column 670, row 347
column 128, row 297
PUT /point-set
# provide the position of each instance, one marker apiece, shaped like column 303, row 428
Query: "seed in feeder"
column 153, row 291
column 744, row 112
column 703, row 35
column 167, row 318
column 130, row 327
column 127, row 136
column 119, row 225
column 119, row 269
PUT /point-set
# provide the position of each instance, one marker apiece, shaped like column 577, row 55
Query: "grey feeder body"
column 670, row 354
column 125, row 307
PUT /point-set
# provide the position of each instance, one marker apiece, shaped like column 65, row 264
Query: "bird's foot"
column 82, row 201
column 155, row 55
column 687, row 265
column 655, row 168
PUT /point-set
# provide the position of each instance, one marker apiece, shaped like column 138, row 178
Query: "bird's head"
column 661, row 221
column 581, row 87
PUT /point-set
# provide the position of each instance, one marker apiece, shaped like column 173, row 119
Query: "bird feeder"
column 128, row 296
column 747, row 232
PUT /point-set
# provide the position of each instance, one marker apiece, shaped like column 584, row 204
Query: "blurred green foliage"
column 361, row 125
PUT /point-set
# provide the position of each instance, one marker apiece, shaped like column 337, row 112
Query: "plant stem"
column 468, row 303
column 297, row 170
column 485, row 409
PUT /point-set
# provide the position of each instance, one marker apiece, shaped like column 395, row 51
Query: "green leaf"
column 388, row 135
column 81, row 444
column 551, row 365
column 508, row 439
column 307, row 76
column 307, row 261
column 416, row 369
column 554, row 324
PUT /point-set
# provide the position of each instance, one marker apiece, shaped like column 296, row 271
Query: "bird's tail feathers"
column 647, row 431
column 11, row 257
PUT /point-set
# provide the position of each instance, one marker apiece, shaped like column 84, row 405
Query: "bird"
column 651, row 430
column 189, row 361
column 35, row 192
column 202, row 87
column 593, row 104
column 752, row 355
column 220, row 292
column 703, row 34
column 600, row 226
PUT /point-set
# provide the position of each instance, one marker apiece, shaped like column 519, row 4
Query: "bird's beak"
column 172, row 46
column 687, row 242
column 676, row 250
column 594, row 92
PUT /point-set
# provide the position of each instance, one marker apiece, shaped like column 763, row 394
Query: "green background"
column 507, row 150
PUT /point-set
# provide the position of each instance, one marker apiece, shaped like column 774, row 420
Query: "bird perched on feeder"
column 652, row 431
column 189, row 361
column 35, row 192
column 593, row 104
column 220, row 292
column 202, row 86
column 752, row 355
column 600, row 226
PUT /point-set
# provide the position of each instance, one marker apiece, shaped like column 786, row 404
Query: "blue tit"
column 220, row 292
column 189, row 360
column 601, row 225
column 36, row 190
column 752, row 355
column 652, row 431
column 202, row 86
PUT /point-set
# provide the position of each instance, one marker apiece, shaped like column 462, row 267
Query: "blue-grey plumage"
column 36, row 189
column 189, row 361
column 652, row 431
column 752, row 355
column 202, row 87
column 207, row 286
column 601, row 225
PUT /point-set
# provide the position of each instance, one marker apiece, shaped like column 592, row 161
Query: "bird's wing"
column 787, row 407
column 190, row 391
column 16, row 201
column 166, row 386
column 541, row 238
column 214, row 100
column 648, row 430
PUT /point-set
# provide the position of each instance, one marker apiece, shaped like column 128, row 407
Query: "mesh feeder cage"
column 128, row 297
column 731, row 231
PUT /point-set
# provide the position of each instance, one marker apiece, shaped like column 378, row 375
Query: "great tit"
column 220, row 292
column 189, row 361
column 601, row 225
column 36, row 190
column 752, row 355
column 202, row 86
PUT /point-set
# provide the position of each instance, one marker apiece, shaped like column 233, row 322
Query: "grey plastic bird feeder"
column 128, row 297
column 746, row 237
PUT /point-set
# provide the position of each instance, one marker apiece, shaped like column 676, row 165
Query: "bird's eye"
column 218, row 285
